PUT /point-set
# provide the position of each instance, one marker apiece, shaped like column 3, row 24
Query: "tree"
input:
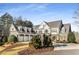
column 47, row 41
column 71, row 37
column 7, row 20
column 29, row 23
column 76, row 16
column 1, row 40
column 19, row 21
column 26, row 23
column 36, row 41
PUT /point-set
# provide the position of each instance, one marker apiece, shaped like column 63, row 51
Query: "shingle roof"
column 15, row 27
column 54, row 24
column 67, row 27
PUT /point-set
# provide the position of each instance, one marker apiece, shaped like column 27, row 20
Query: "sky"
column 39, row 12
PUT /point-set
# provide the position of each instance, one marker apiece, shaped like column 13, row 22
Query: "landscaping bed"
column 33, row 51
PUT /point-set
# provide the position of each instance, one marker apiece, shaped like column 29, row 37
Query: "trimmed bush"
column 36, row 41
column 12, row 38
column 71, row 37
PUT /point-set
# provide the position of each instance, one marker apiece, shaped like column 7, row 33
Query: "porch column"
column 24, row 38
column 29, row 38
column 57, row 37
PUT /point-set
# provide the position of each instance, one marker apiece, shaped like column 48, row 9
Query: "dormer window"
column 46, row 31
column 21, row 29
column 27, row 30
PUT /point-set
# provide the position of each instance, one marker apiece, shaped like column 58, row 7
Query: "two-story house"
column 23, row 33
column 57, row 29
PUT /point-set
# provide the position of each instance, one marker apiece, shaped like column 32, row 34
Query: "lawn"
column 2, row 48
column 12, row 50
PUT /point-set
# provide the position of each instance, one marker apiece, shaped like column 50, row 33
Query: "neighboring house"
column 22, row 33
column 57, row 29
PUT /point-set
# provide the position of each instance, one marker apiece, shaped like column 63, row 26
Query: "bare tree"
column 76, row 16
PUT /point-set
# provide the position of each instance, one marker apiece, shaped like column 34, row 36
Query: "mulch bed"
column 33, row 51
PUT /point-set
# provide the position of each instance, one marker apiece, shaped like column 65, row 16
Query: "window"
column 46, row 31
column 63, row 30
column 22, row 30
column 27, row 30
column 53, row 30
column 12, row 29
column 21, row 35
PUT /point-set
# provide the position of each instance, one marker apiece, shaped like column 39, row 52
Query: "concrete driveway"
column 64, row 49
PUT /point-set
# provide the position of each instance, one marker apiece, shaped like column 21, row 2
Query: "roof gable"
column 13, row 26
column 43, row 25
column 53, row 24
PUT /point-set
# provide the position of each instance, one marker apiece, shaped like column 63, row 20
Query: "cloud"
column 41, row 7
column 26, row 8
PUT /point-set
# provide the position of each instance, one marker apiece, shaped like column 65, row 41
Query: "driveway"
column 65, row 52
column 64, row 49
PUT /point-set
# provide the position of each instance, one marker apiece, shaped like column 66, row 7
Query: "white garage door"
column 26, row 38
column 20, row 38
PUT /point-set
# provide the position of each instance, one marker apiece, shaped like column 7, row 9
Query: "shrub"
column 5, row 39
column 2, row 40
column 71, row 37
column 36, row 41
column 12, row 38
column 47, row 41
